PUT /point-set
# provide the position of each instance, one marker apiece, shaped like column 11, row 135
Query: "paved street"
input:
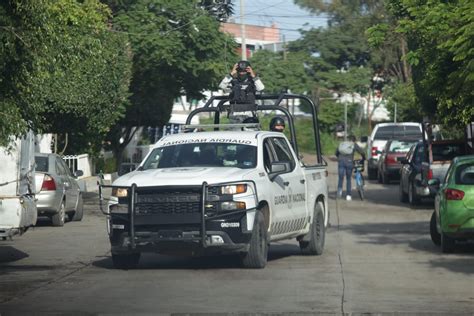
column 378, row 259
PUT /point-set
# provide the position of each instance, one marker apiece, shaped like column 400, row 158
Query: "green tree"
column 282, row 72
column 441, row 40
column 220, row 9
column 62, row 69
column 403, row 101
column 177, row 49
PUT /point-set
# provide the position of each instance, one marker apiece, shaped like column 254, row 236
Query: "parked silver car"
column 58, row 192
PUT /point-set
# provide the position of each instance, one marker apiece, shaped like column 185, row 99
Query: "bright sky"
column 288, row 16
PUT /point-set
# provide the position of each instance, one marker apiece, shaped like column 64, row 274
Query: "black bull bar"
column 132, row 193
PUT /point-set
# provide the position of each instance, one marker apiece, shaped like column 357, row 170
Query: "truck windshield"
column 202, row 154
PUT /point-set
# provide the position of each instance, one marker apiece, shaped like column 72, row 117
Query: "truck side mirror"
column 364, row 139
column 403, row 161
column 277, row 168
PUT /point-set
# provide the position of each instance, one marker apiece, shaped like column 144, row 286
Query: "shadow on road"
column 416, row 235
column 157, row 261
column 386, row 194
column 11, row 254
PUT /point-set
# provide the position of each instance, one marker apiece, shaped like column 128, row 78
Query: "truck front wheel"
column 256, row 257
column 313, row 242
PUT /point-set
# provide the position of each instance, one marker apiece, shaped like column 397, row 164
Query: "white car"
column 383, row 132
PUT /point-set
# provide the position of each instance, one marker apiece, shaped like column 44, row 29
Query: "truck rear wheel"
column 256, row 257
column 125, row 261
column 313, row 242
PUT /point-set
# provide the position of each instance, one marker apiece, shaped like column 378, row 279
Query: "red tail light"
column 430, row 174
column 374, row 151
column 453, row 194
column 391, row 160
column 48, row 183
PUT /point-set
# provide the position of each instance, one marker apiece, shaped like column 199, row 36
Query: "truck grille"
column 168, row 201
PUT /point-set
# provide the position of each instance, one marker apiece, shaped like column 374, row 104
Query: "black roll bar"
column 221, row 107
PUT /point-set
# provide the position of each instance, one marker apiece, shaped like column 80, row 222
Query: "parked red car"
column 389, row 164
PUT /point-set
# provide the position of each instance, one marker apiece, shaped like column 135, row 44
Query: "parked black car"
column 419, row 174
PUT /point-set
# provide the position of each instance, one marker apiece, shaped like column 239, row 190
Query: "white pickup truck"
column 214, row 192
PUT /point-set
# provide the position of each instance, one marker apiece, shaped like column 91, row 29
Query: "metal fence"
column 79, row 162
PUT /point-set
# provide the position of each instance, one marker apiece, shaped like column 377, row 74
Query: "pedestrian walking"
column 345, row 163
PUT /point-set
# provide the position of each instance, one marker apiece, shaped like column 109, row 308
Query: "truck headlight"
column 231, row 206
column 233, row 189
column 119, row 192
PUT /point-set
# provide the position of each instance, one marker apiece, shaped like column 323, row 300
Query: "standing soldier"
column 244, row 83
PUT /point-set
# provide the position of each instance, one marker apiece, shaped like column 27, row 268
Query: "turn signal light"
column 234, row 189
column 453, row 194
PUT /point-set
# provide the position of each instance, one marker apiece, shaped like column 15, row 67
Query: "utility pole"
column 242, row 31
column 284, row 47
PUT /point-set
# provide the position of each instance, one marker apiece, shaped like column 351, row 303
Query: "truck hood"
column 182, row 176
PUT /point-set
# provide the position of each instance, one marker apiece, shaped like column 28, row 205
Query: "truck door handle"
column 286, row 183
column 302, row 180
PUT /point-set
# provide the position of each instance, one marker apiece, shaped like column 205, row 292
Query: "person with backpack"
column 345, row 163
column 243, row 82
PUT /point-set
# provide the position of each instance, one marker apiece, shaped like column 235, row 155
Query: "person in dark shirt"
column 243, row 83
column 345, row 163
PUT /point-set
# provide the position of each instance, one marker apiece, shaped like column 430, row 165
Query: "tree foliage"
column 61, row 68
column 177, row 49
column 403, row 101
column 220, row 9
column 281, row 72
column 341, row 57
column 441, row 40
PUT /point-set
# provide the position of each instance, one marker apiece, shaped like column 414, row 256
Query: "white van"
column 17, row 186
column 383, row 132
